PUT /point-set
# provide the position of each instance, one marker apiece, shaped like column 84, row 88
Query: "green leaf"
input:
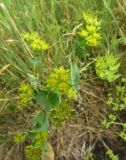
column 34, row 81
column 34, row 61
column 80, row 50
column 75, row 76
column 53, row 99
column 40, row 121
column 47, row 100
column 31, row 133
column 41, row 97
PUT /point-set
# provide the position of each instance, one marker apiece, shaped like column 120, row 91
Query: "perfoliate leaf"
column 80, row 50
column 40, row 121
column 48, row 100
column 31, row 133
column 41, row 97
column 75, row 76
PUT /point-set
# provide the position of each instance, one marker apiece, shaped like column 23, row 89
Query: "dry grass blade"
column 4, row 68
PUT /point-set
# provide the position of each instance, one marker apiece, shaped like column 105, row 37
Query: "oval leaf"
column 40, row 121
column 47, row 100
column 75, row 76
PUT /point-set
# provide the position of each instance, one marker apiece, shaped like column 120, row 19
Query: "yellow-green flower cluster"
column 62, row 113
column 36, row 42
column 59, row 81
column 91, row 19
column 40, row 139
column 111, row 155
column 30, row 36
column 91, row 32
column 33, row 153
column 25, row 93
column 123, row 135
column 107, row 67
column 19, row 138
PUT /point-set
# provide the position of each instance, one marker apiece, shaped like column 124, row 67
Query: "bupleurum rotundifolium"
column 59, row 81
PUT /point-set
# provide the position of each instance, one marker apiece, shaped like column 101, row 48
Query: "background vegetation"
column 58, row 22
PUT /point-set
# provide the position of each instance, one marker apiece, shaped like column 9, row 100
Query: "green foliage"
column 111, row 155
column 105, row 123
column 123, row 135
column 17, row 48
column 62, row 113
column 118, row 100
column 110, row 120
column 40, row 121
column 112, row 117
column 80, row 47
column 118, row 104
column 47, row 100
column 107, row 67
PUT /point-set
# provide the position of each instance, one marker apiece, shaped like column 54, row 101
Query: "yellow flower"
column 83, row 33
column 26, row 88
column 65, row 77
column 25, row 93
column 61, row 71
column 40, row 139
column 91, row 34
column 97, row 36
column 91, row 29
column 39, row 45
column 91, row 41
column 19, row 138
column 72, row 93
column 59, row 81
column 33, row 153
column 63, row 87
column 45, row 46
column 30, row 36
column 52, row 82
column 91, row 19
column 36, row 42
column 24, row 99
column 61, row 113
